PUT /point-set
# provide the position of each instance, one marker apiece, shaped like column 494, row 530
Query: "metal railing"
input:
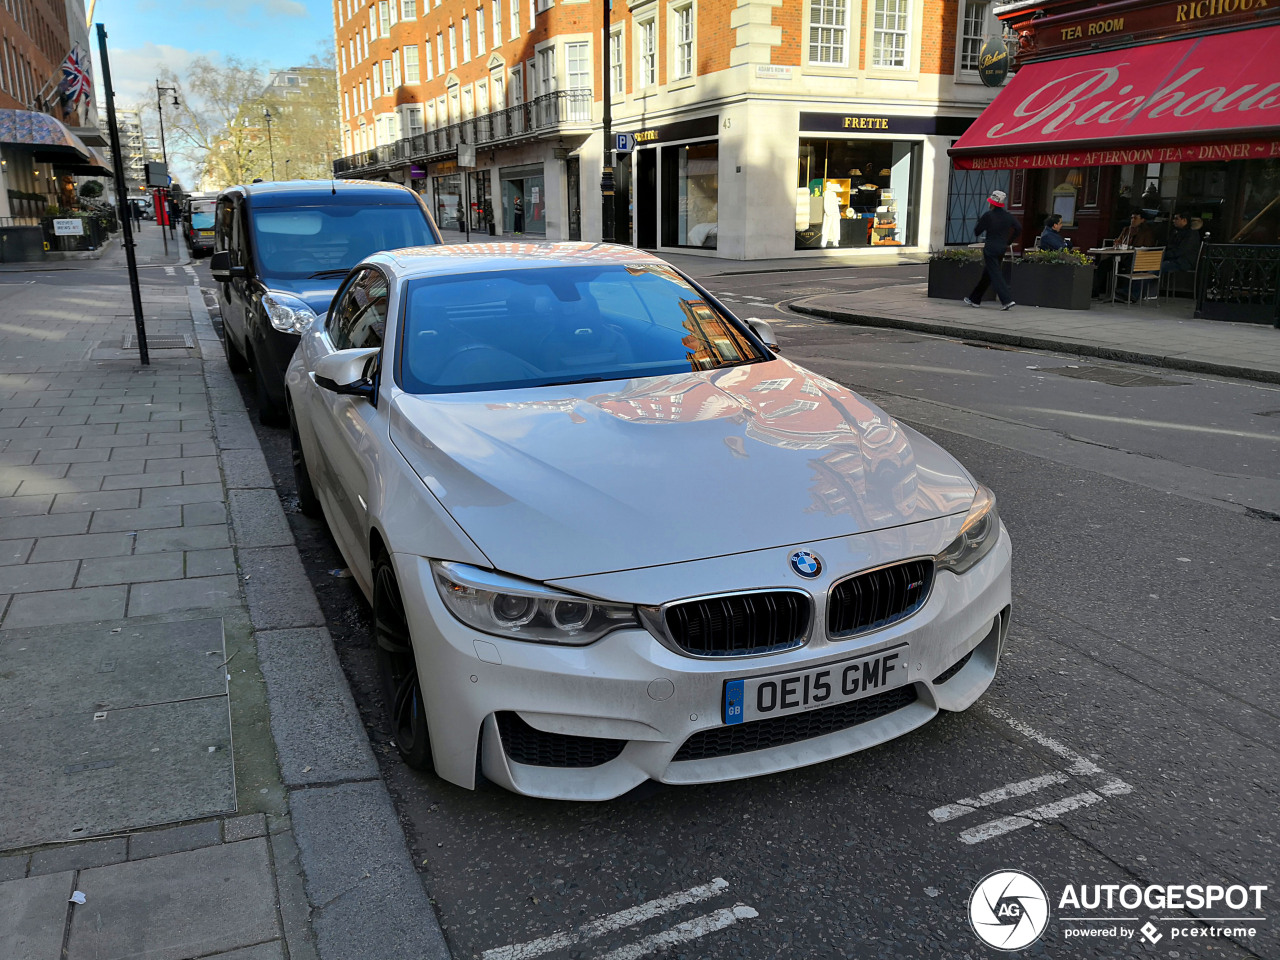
column 1240, row 282
column 548, row 112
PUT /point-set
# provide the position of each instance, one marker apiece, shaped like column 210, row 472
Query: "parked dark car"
column 281, row 250
column 197, row 223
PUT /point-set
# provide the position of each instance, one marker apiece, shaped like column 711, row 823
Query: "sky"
column 143, row 35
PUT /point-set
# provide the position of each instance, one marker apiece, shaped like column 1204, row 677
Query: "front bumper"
column 609, row 691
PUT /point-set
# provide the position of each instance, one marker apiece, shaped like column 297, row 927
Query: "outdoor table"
column 1115, row 253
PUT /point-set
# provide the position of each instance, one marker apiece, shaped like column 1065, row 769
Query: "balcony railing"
column 548, row 112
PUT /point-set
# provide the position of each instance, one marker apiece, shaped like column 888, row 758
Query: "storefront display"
column 481, row 212
column 447, row 191
column 524, row 201
column 690, row 192
column 875, row 186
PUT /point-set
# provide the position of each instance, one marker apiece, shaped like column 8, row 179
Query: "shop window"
column 682, row 31
column 448, row 195
column 691, row 195
column 523, row 201
column 890, row 30
column 967, row 200
column 829, row 32
column 857, row 193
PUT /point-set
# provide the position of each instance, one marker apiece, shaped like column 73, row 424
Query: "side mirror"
column 347, row 372
column 223, row 270
column 764, row 331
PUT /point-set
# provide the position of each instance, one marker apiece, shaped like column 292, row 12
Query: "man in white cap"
column 999, row 227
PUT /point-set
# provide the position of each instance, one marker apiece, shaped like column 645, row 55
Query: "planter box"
column 1056, row 285
column 955, row 279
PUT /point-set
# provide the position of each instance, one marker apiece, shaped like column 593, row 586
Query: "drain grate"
column 1114, row 376
column 166, row 342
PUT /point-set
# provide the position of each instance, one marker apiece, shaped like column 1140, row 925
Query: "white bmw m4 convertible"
column 610, row 536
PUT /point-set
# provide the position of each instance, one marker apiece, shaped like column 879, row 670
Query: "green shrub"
column 957, row 254
column 1069, row 258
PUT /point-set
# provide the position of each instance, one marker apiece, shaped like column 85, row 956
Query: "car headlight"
column 523, row 610
column 287, row 314
column 978, row 534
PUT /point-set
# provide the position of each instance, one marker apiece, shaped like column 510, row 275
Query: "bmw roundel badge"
column 806, row 564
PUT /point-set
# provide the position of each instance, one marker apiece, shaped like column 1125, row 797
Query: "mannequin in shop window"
column 831, row 214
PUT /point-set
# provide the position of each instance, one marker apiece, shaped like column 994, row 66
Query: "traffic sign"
column 626, row 142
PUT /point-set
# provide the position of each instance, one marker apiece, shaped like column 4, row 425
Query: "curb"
column 1075, row 347
column 346, row 846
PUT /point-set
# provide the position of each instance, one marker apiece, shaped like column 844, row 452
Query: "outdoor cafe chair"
column 1144, row 269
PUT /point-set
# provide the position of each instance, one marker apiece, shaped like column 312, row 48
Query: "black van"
column 281, row 250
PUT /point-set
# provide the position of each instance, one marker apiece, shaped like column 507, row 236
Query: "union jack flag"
column 76, row 82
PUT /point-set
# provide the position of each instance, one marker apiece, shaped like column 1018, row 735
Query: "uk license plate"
column 779, row 694
column 206, row 233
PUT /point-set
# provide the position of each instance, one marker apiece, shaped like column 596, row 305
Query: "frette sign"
column 1211, row 88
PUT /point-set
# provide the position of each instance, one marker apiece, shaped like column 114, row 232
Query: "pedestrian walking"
column 517, row 214
column 998, row 227
column 135, row 211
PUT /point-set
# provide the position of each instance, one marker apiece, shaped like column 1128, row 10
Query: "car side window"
column 366, row 327
column 346, row 305
column 239, row 252
column 226, row 212
column 360, row 318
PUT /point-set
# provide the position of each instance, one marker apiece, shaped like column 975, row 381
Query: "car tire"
column 235, row 359
column 398, row 670
column 308, row 502
column 269, row 414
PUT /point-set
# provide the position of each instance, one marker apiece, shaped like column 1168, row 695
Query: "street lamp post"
column 606, row 175
column 164, row 156
column 266, row 115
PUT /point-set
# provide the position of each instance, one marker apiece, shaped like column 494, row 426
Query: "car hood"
column 555, row 482
column 316, row 294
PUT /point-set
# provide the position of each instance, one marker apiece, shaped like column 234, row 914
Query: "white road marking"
column 750, row 296
column 1025, row 818
column 1158, row 424
column 1080, row 766
column 168, row 271
column 191, row 271
column 607, row 924
column 1007, row 792
column 689, row 930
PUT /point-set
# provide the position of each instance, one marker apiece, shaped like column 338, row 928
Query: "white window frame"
column 482, row 97
column 414, row 113
column 682, row 36
column 515, row 19
column 496, row 10
column 408, row 9
column 340, row 6
column 829, row 32
column 384, row 18
column 966, row 41
column 396, row 74
column 453, row 47
column 466, row 39
column 388, row 74
column 439, row 53
column 480, row 37
column 373, row 23
column 646, row 54
column 377, row 80
column 342, row 56
column 412, row 65
column 900, row 28
column 617, row 62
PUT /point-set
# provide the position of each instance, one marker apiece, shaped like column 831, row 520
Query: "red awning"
column 1202, row 98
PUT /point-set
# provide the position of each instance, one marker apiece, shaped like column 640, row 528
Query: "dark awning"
column 1212, row 97
column 48, row 138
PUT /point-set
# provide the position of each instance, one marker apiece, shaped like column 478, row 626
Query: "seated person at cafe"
column 1183, row 248
column 1138, row 233
column 1052, row 238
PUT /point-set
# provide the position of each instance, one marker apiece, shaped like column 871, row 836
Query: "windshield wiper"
column 336, row 272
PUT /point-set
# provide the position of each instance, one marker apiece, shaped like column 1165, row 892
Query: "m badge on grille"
column 806, row 564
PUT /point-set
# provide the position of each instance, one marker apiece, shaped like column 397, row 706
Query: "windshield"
column 555, row 325
column 201, row 220
column 296, row 242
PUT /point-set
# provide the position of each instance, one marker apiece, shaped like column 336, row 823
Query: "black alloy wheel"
column 308, row 502
column 401, row 689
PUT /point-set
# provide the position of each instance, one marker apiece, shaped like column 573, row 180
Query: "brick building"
column 761, row 128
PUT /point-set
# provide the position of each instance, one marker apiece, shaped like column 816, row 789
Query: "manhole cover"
column 1113, row 375
column 175, row 342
